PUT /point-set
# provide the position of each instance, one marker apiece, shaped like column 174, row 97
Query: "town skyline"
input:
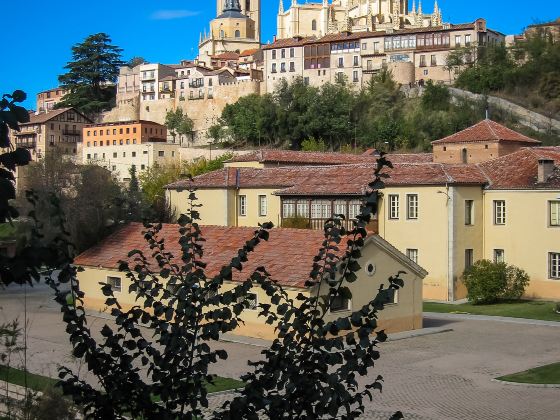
column 150, row 39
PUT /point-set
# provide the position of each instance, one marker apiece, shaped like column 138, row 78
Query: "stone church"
column 236, row 28
column 321, row 18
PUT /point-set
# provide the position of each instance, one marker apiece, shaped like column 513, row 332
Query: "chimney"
column 546, row 167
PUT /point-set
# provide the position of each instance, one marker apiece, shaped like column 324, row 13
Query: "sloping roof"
column 287, row 255
column 249, row 52
column 226, row 56
column 290, row 42
column 486, row 130
column 47, row 116
column 335, row 180
column 519, row 170
column 310, row 158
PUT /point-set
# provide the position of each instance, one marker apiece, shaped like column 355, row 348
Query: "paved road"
column 443, row 376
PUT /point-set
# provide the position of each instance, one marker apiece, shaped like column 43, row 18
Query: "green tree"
column 173, row 120
column 436, row 97
column 91, row 75
column 136, row 61
column 312, row 145
column 186, row 128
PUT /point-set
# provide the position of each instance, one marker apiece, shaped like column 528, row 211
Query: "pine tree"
column 91, row 75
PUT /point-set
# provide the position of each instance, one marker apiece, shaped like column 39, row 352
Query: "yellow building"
column 445, row 216
column 287, row 256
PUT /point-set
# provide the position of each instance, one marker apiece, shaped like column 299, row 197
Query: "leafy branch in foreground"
column 162, row 371
column 312, row 368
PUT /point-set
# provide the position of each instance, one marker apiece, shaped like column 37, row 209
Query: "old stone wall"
column 537, row 122
column 204, row 111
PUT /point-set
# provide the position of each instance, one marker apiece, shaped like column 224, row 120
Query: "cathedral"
column 322, row 18
column 236, row 28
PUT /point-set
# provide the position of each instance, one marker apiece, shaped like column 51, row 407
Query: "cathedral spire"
column 413, row 7
column 281, row 7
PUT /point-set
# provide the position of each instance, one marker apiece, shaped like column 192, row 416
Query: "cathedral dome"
column 232, row 9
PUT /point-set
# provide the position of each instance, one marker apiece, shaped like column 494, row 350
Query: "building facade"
column 379, row 261
column 59, row 129
column 442, row 214
column 119, row 146
column 47, row 99
column 412, row 55
column 321, row 18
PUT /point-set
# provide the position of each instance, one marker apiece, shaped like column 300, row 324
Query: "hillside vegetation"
column 527, row 74
column 336, row 117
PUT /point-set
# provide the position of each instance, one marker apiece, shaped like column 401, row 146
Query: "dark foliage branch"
column 162, row 371
column 311, row 371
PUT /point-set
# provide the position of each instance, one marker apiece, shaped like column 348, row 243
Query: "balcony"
column 148, row 77
column 28, row 144
column 147, row 89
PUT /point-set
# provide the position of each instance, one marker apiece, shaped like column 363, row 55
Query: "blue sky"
column 38, row 34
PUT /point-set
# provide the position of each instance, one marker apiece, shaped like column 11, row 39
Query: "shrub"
column 488, row 282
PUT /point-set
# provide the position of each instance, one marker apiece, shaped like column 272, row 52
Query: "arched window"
column 464, row 155
column 222, row 34
column 237, row 33
column 313, row 25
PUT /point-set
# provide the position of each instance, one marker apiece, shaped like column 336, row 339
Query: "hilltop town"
column 373, row 182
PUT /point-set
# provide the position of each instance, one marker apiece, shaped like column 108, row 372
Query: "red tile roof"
column 334, row 180
column 47, row 116
column 486, row 130
column 302, row 158
column 226, row 56
column 519, row 170
column 287, row 255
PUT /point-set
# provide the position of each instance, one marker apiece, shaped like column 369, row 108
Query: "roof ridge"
column 488, row 121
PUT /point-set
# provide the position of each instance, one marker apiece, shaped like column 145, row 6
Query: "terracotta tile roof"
column 298, row 157
column 286, row 248
column 226, row 56
column 519, row 170
column 290, row 42
column 410, row 157
column 486, row 130
column 45, row 116
column 334, row 180
column 247, row 53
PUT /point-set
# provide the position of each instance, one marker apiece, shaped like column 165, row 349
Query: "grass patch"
column 549, row 374
column 34, row 382
column 41, row 383
column 543, row 311
column 7, row 231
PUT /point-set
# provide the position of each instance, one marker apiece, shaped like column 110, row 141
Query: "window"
column 313, row 25
column 128, row 130
column 89, row 156
column 364, row 46
column 467, row 40
column 283, row 53
column 263, row 205
column 393, row 296
column 355, row 78
column 243, row 205
column 433, row 61
column 458, row 40
column 376, row 47
column 499, row 256
column 499, row 212
column 412, row 254
column 393, row 206
column 554, row 212
column 273, row 67
column 114, row 155
column 237, row 33
column 554, row 265
column 422, row 61
column 274, row 54
column 340, row 304
column 292, row 66
column 292, row 52
column 321, row 209
column 283, row 68
column 469, row 212
column 124, row 154
column 288, row 209
column 412, row 206
column 115, row 283
column 356, row 61
column 340, row 61
column 161, row 153
column 469, row 258
column 133, row 154
column 251, row 299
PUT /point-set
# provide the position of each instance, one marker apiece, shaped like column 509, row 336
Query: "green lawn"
column 549, row 374
column 34, row 382
column 519, row 309
column 40, row 383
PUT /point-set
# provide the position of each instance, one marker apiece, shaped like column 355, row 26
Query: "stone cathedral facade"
column 322, row 18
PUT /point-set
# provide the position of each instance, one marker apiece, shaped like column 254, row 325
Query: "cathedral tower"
column 250, row 8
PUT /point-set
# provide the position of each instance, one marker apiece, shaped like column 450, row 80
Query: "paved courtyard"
column 441, row 376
